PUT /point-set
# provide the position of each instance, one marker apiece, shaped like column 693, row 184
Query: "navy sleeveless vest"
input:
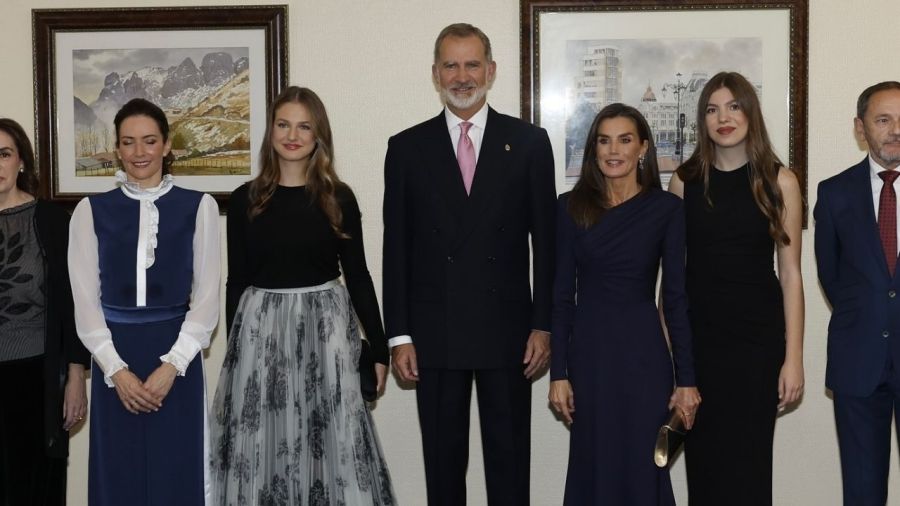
column 116, row 222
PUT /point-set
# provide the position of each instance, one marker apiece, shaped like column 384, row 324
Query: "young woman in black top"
column 289, row 418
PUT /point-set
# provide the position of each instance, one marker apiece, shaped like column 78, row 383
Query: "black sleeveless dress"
column 737, row 318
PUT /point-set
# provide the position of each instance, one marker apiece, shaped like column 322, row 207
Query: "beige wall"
column 370, row 63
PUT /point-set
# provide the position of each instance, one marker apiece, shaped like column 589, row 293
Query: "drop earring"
column 641, row 163
column 22, row 170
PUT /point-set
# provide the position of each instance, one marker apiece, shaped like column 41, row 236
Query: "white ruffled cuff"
column 182, row 353
column 109, row 361
column 107, row 378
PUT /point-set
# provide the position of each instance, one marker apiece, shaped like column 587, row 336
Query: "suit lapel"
column 445, row 170
column 862, row 187
column 489, row 174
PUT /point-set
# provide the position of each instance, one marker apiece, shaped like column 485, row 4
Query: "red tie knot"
column 888, row 176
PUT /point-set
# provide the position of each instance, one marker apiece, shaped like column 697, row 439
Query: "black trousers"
column 27, row 475
column 504, row 408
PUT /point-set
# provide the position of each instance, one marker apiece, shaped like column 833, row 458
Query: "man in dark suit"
column 856, row 253
column 463, row 193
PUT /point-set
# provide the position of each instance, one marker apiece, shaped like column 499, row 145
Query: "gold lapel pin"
column 507, row 147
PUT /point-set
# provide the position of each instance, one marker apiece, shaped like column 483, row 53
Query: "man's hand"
column 404, row 358
column 537, row 352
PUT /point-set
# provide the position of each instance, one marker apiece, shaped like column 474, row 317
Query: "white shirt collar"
column 478, row 120
column 134, row 190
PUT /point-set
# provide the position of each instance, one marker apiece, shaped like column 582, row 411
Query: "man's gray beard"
column 888, row 157
column 449, row 98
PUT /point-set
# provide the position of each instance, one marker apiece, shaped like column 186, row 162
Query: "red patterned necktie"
column 465, row 155
column 887, row 218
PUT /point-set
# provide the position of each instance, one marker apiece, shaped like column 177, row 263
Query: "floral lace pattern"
column 288, row 425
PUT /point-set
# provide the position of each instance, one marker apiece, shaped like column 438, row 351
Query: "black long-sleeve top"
column 291, row 244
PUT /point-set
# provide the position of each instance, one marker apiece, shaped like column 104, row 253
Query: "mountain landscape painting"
column 205, row 93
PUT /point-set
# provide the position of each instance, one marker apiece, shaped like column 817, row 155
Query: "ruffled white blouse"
column 84, row 272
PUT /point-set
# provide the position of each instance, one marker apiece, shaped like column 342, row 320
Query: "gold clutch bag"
column 669, row 439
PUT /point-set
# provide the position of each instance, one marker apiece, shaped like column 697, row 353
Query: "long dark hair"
column 27, row 179
column 141, row 107
column 322, row 181
column 764, row 163
column 590, row 196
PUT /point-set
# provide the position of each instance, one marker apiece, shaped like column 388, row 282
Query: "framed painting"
column 579, row 55
column 212, row 70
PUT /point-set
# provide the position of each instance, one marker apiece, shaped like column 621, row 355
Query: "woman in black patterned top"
column 42, row 387
column 289, row 422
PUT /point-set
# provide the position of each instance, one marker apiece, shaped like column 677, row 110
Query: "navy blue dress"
column 608, row 342
column 152, row 458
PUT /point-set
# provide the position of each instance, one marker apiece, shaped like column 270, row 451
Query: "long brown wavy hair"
column 322, row 181
column 589, row 199
column 763, row 162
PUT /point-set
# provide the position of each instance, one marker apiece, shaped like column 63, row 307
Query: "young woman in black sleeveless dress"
column 741, row 204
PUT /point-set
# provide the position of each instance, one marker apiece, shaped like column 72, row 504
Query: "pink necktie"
column 465, row 155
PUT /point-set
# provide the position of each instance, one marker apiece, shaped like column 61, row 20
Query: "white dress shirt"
column 476, row 133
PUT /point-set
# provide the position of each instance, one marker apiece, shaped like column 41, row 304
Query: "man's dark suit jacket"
column 456, row 267
column 865, row 316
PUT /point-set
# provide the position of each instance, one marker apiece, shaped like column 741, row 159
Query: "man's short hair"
column 462, row 30
column 863, row 102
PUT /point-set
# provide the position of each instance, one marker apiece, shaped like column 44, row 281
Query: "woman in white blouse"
column 144, row 263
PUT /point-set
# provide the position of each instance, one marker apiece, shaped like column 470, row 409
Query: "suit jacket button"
column 892, row 294
column 493, row 290
column 885, row 333
column 491, row 259
column 449, row 260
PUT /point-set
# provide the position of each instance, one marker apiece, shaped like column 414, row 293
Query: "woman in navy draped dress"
column 611, row 372
column 144, row 263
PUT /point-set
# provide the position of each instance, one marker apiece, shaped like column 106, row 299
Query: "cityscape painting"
column 577, row 56
column 662, row 78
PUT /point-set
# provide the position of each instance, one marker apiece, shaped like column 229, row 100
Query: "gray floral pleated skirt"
column 289, row 426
